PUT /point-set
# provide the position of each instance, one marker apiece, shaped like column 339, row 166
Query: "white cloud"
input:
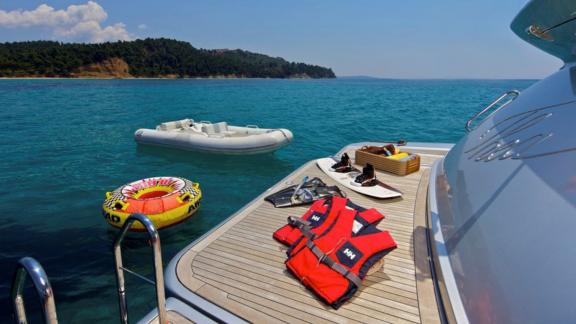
column 142, row 26
column 77, row 22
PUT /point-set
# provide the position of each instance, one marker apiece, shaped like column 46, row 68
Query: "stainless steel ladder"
column 29, row 266
column 158, row 271
column 512, row 94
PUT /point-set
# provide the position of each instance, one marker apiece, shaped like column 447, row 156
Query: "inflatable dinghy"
column 219, row 137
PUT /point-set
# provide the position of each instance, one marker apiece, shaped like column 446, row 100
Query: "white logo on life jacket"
column 350, row 254
column 315, row 218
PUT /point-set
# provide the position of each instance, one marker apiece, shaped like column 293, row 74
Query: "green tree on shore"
column 147, row 58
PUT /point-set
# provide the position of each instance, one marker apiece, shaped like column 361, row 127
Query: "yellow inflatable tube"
column 166, row 201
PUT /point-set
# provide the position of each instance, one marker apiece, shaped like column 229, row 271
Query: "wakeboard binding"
column 367, row 178
column 344, row 166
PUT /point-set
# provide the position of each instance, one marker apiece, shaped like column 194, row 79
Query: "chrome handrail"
column 30, row 266
column 155, row 241
column 512, row 93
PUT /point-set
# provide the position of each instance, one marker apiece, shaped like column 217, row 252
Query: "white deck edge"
column 441, row 252
column 177, row 306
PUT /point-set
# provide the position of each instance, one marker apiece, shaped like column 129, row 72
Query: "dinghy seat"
column 178, row 124
column 217, row 129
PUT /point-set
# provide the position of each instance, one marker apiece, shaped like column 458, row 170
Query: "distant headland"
column 146, row 58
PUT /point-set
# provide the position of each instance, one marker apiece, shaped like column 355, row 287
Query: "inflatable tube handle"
column 123, row 204
column 184, row 197
column 196, row 185
column 252, row 126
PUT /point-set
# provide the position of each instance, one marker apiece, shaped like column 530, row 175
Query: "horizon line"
column 431, row 78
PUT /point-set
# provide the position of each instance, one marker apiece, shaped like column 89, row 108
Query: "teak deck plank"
column 240, row 267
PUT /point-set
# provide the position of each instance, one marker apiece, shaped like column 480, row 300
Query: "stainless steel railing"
column 512, row 94
column 120, row 269
column 29, row 266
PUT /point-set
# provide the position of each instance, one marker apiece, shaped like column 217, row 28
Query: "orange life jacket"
column 317, row 219
column 333, row 263
column 320, row 215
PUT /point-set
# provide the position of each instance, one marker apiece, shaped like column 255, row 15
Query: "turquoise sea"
column 64, row 143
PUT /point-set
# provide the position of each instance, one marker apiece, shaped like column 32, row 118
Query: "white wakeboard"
column 380, row 190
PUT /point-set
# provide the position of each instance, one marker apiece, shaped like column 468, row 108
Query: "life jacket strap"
column 303, row 225
column 327, row 260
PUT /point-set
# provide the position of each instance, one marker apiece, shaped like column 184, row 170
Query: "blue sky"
column 391, row 39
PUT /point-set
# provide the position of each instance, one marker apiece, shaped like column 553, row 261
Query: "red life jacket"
column 317, row 219
column 334, row 263
column 320, row 215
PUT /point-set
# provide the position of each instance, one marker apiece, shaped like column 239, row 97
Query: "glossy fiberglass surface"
column 506, row 204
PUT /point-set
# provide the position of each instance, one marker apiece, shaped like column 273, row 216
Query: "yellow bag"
column 399, row 156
